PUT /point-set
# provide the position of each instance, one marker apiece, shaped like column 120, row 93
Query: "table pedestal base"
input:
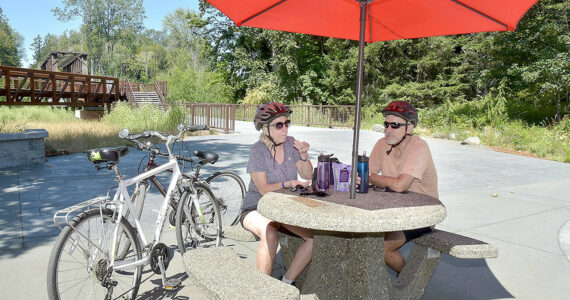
column 348, row 266
column 344, row 266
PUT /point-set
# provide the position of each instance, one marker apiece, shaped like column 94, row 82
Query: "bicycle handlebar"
column 124, row 133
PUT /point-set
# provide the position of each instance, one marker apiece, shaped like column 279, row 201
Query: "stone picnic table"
column 348, row 255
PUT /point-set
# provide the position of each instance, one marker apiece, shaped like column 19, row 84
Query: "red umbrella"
column 375, row 20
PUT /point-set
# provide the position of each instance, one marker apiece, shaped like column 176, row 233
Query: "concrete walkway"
column 518, row 203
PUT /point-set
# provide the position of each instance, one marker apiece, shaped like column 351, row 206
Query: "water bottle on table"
column 363, row 173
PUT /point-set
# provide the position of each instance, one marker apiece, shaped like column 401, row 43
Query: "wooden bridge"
column 20, row 86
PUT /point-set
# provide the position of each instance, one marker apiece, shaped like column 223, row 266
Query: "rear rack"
column 64, row 216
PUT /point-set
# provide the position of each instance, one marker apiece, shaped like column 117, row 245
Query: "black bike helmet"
column 403, row 110
column 269, row 112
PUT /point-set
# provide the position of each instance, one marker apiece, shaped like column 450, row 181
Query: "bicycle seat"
column 206, row 157
column 111, row 154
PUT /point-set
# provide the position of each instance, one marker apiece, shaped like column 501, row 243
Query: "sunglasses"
column 394, row 125
column 279, row 125
column 305, row 191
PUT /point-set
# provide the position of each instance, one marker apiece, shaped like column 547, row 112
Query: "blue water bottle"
column 363, row 173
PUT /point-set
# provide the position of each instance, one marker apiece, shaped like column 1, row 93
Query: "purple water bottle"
column 323, row 173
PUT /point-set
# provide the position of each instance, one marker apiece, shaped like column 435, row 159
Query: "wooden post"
column 226, row 129
column 8, row 87
column 330, row 117
column 117, row 91
column 32, row 88
column 53, row 88
column 192, row 113
column 104, row 89
column 88, row 82
column 73, row 97
column 308, row 115
column 208, row 112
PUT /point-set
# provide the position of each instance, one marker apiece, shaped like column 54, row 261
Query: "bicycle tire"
column 229, row 189
column 193, row 230
column 76, row 264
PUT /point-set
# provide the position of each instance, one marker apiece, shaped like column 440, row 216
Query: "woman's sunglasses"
column 394, row 125
column 279, row 125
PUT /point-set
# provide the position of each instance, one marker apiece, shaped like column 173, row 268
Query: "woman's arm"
column 304, row 165
column 260, row 181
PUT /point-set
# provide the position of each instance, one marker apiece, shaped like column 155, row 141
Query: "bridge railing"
column 20, row 86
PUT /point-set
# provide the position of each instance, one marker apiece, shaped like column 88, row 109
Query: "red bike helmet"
column 403, row 110
column 269, row 112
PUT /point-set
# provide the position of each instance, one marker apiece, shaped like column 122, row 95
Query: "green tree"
column 36, row 48
column 105, row 23
column 11, row 43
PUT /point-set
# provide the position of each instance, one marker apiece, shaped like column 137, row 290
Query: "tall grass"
column 145, row 117
column 67, row 134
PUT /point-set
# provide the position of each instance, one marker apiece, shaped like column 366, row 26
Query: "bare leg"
column 267, row 233
column 392, row 256
column 304, row 253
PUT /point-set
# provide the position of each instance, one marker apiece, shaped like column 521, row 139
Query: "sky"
column 32, row 17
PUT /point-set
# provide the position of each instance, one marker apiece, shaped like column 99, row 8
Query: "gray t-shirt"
column 261, row 160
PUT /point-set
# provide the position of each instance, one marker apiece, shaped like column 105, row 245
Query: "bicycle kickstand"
column 170, row 284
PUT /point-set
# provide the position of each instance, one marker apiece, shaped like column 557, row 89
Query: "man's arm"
column 397, row 184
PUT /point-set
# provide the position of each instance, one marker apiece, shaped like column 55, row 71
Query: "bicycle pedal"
column 172, row 284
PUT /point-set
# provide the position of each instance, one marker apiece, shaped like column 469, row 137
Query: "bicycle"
column 227, row 186
column 85, row 261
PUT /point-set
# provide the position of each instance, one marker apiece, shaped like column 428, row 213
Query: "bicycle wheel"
column 78, row 267
column 229, row 189
column 198, row 220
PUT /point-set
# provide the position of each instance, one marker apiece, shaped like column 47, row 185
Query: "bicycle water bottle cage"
column 206, row 157
column 105, row 155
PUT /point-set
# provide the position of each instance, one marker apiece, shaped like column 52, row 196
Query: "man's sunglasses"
column 394, row 125
column 279, row 125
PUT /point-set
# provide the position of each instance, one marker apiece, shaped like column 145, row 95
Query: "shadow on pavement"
column 31, row 195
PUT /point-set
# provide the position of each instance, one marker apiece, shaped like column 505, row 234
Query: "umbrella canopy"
column 375, row 20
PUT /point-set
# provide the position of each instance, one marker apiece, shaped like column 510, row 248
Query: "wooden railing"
column 309, row 115
column 20, row 86
column 223, row 116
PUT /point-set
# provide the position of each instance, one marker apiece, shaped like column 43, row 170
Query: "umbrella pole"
column 356, row 136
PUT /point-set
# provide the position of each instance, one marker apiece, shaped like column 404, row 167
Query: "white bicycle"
column 99, row 254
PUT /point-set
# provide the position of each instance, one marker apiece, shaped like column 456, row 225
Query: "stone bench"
column 288, row 243
column 457, row 245
column 226, row 276
column 425, row 255
column 238, row 233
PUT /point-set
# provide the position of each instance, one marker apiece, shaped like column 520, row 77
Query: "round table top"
column 376, row 211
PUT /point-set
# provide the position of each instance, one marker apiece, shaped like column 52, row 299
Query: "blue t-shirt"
column 261, row 160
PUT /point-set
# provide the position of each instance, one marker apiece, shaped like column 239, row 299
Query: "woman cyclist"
column 274, row 162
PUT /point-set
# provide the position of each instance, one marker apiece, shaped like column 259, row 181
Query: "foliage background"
column 504, row 82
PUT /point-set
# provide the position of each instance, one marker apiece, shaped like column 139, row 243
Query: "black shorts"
column 280, row 228
column 243, row 214
column 416, row 233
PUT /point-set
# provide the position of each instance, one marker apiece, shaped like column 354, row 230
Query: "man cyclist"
column 400, row 162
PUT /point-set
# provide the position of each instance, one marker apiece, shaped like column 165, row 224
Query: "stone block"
column 23, row 148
